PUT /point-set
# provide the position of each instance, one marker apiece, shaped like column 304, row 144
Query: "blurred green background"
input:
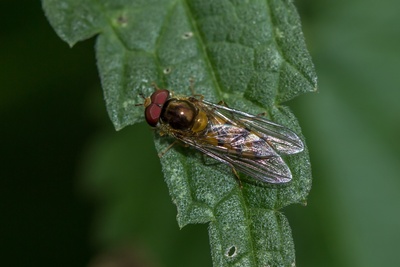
column 73, row 192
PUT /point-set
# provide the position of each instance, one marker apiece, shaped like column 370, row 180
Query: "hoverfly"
column 248, row 143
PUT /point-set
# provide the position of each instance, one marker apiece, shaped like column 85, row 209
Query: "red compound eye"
column 152, row 114
column 153, row 111
column 159, row 97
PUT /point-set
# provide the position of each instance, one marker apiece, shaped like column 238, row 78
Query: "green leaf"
column 252, row 55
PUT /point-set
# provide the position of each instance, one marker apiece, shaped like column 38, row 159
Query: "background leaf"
column 251, row 55
column 56, row 132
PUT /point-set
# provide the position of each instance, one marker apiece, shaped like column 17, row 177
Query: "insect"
column 247, row 143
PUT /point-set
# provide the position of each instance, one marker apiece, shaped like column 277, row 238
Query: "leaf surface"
column 252, row 55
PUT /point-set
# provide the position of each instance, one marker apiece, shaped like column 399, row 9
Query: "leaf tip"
column 70, row 43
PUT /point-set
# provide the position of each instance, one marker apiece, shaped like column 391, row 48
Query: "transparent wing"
column 270, row 170
column 235, row 140
column 283, row 140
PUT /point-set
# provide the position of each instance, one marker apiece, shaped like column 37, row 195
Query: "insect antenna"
column 144, row 98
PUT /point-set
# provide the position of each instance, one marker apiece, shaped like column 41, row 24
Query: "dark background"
column 73, row 192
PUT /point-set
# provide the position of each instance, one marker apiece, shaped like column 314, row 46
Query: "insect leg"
column 156, row 88
column 237, row 176
column 222, row 103
column 262, row 114
column 191, row 86
column 162, row 153
column 209, row 153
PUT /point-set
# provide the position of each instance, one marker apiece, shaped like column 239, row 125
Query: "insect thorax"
column 182, row 116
